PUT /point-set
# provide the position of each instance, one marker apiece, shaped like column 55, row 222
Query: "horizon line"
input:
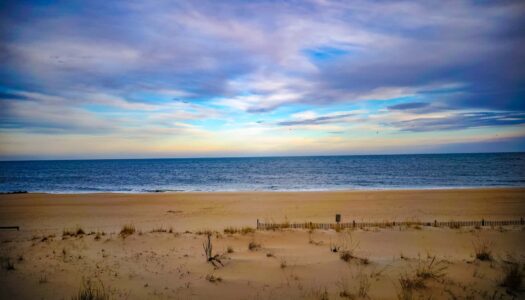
column 260, row 156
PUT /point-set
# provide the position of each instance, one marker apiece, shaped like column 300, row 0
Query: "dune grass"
column 483, row 250
column 90, row 290
column 127, row 230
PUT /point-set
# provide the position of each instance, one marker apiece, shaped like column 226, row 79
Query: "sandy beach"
column 164, row 259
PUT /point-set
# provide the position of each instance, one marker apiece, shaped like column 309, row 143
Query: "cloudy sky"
column 116, row 79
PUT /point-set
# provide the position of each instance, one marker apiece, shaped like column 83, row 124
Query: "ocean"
column 314, row 173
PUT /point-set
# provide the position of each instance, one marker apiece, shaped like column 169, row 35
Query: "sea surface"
column 315, row 173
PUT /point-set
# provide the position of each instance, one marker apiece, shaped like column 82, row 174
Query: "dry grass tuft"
column 229, row 249
column 431, row 270
column 127, row 230
column 213, row 279
column 283, row 264
column 253, row 246
column 483, row 250
column 76, row 232
column 244, row 230
column 90, row 290
column 8, row 264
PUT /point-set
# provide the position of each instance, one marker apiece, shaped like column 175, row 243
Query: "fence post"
column 257, row 223
column 521, row 221
column 353, row 223
column 482, row 222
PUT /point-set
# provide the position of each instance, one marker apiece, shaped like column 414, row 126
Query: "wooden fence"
column 354, row 224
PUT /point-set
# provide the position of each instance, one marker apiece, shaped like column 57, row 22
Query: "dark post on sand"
column 338, row 218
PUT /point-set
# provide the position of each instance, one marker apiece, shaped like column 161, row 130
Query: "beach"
column 164, row 258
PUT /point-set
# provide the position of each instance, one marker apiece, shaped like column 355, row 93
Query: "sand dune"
column 289, row 264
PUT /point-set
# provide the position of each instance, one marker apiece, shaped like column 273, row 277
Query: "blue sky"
column 118, row 79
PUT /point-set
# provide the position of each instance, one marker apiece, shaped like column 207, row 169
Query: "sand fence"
column 386, row 224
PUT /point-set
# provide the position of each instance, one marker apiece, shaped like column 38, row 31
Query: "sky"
column 141, row 79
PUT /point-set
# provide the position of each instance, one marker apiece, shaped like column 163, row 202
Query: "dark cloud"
column 459, row 121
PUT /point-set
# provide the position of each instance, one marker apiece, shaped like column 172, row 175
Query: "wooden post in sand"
column 257, row 223
column 482, row 222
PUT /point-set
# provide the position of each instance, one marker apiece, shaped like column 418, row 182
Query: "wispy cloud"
column 458, row 121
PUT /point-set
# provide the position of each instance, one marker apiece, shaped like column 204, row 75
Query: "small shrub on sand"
column 431, row 270
column 207, row 246
column 253, row 246
column 247, row 229
column 283, row 263
column 229, row 249
column 244, row 230
column 73, row 232
column 513, row 276
column 9, row 265
column 213, row 279
column 410, row 282
column 90, row 290
column 364, row 286
column 127, row 230
column 320, row 293
column 43, row 279
column 483, row 250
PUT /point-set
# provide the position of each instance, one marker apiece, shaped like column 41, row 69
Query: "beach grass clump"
column 283, row 263
column 426, row 270
column 431, row 270
column 161, row 229
column 8, row 264
column 230, row 249
column 363, row 287
column 483, row 250
column 90, row 290
column 99, row 235
column 127, row 230
column 253, row 246
column 410, row 282
column 244, row 230
column 213, row 279
column 204, row 232
column 513, row 276
column 72, row 232
column 43, row 279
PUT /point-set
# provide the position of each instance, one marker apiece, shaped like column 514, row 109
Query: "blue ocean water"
column 266, row 173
